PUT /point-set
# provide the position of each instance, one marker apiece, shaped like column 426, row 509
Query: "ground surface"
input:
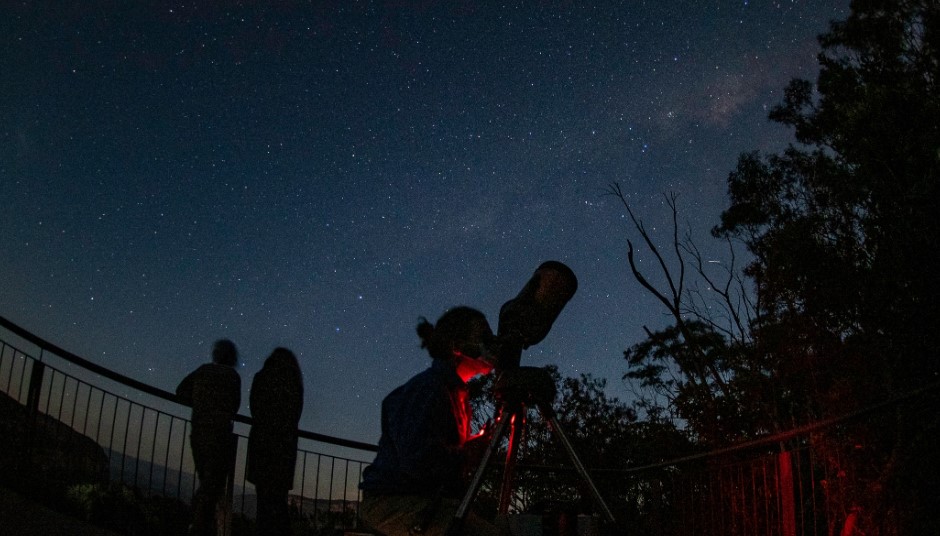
column 22, row 517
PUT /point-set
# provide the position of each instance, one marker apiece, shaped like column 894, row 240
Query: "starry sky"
column 320, row 176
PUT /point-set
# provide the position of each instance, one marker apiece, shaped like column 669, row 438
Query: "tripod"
column 516, row 389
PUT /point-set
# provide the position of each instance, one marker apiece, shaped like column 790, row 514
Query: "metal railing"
column 73, row 421
column 114, row 428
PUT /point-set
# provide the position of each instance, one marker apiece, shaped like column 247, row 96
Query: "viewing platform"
column 75, row 433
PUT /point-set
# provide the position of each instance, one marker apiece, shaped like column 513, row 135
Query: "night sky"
column 320, row 177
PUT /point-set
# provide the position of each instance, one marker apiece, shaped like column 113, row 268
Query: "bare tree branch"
column 673, row 302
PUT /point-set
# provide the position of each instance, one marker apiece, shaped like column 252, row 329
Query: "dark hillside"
column 53, row 456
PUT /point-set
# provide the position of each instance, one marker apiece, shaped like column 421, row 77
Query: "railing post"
column 787, row 501
column 32, row 407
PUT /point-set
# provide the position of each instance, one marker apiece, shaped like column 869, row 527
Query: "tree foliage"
column 842, row 225
column 602, row 430
column 841, row 228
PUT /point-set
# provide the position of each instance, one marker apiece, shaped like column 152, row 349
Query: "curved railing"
column 82, row 421
column 72, row 420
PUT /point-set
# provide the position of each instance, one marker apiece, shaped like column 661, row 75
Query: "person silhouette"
column 419, row 472
column 276, row 403
column 214, row 392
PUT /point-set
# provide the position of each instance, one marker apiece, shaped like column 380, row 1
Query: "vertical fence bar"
column 32, row 405
column 49, row 393
column 53, row 377
column 303, row 481
column 153, row 450
column 179, row 485
column 19, row 393
column 100, row 418
column 74, row 403
column 114, row 416
column 3, row 353
column 87, row 408
column 127, row 428
column 316, row 493
column 166, row 457
column 332, row 475
column 345, row 486
column 195, row 473
column 785, row 481
column 140, row 437
column 70, row 434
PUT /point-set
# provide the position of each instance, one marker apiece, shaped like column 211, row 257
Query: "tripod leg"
column 517, row 426
column 549, row 415
column 502, row 424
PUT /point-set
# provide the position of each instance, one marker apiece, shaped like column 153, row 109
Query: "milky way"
column 319, row 178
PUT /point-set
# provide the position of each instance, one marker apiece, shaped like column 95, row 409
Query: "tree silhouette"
column 841, row 226
column 699, row 372
column 605, row 435
column 843, row 314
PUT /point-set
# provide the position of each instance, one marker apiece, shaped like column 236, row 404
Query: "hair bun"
column 425, row 331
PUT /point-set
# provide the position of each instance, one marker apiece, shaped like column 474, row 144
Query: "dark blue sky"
column 320, row 177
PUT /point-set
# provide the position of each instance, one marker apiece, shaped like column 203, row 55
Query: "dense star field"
column 320, row 177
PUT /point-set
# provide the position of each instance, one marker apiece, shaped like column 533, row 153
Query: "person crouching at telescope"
column 415, row 484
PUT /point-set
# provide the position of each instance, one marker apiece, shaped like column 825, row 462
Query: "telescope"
column 526, row 319
column 523, row 321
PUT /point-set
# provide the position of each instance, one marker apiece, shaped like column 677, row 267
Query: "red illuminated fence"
column 816, row 480
column 770, row 494
column 69, row 423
